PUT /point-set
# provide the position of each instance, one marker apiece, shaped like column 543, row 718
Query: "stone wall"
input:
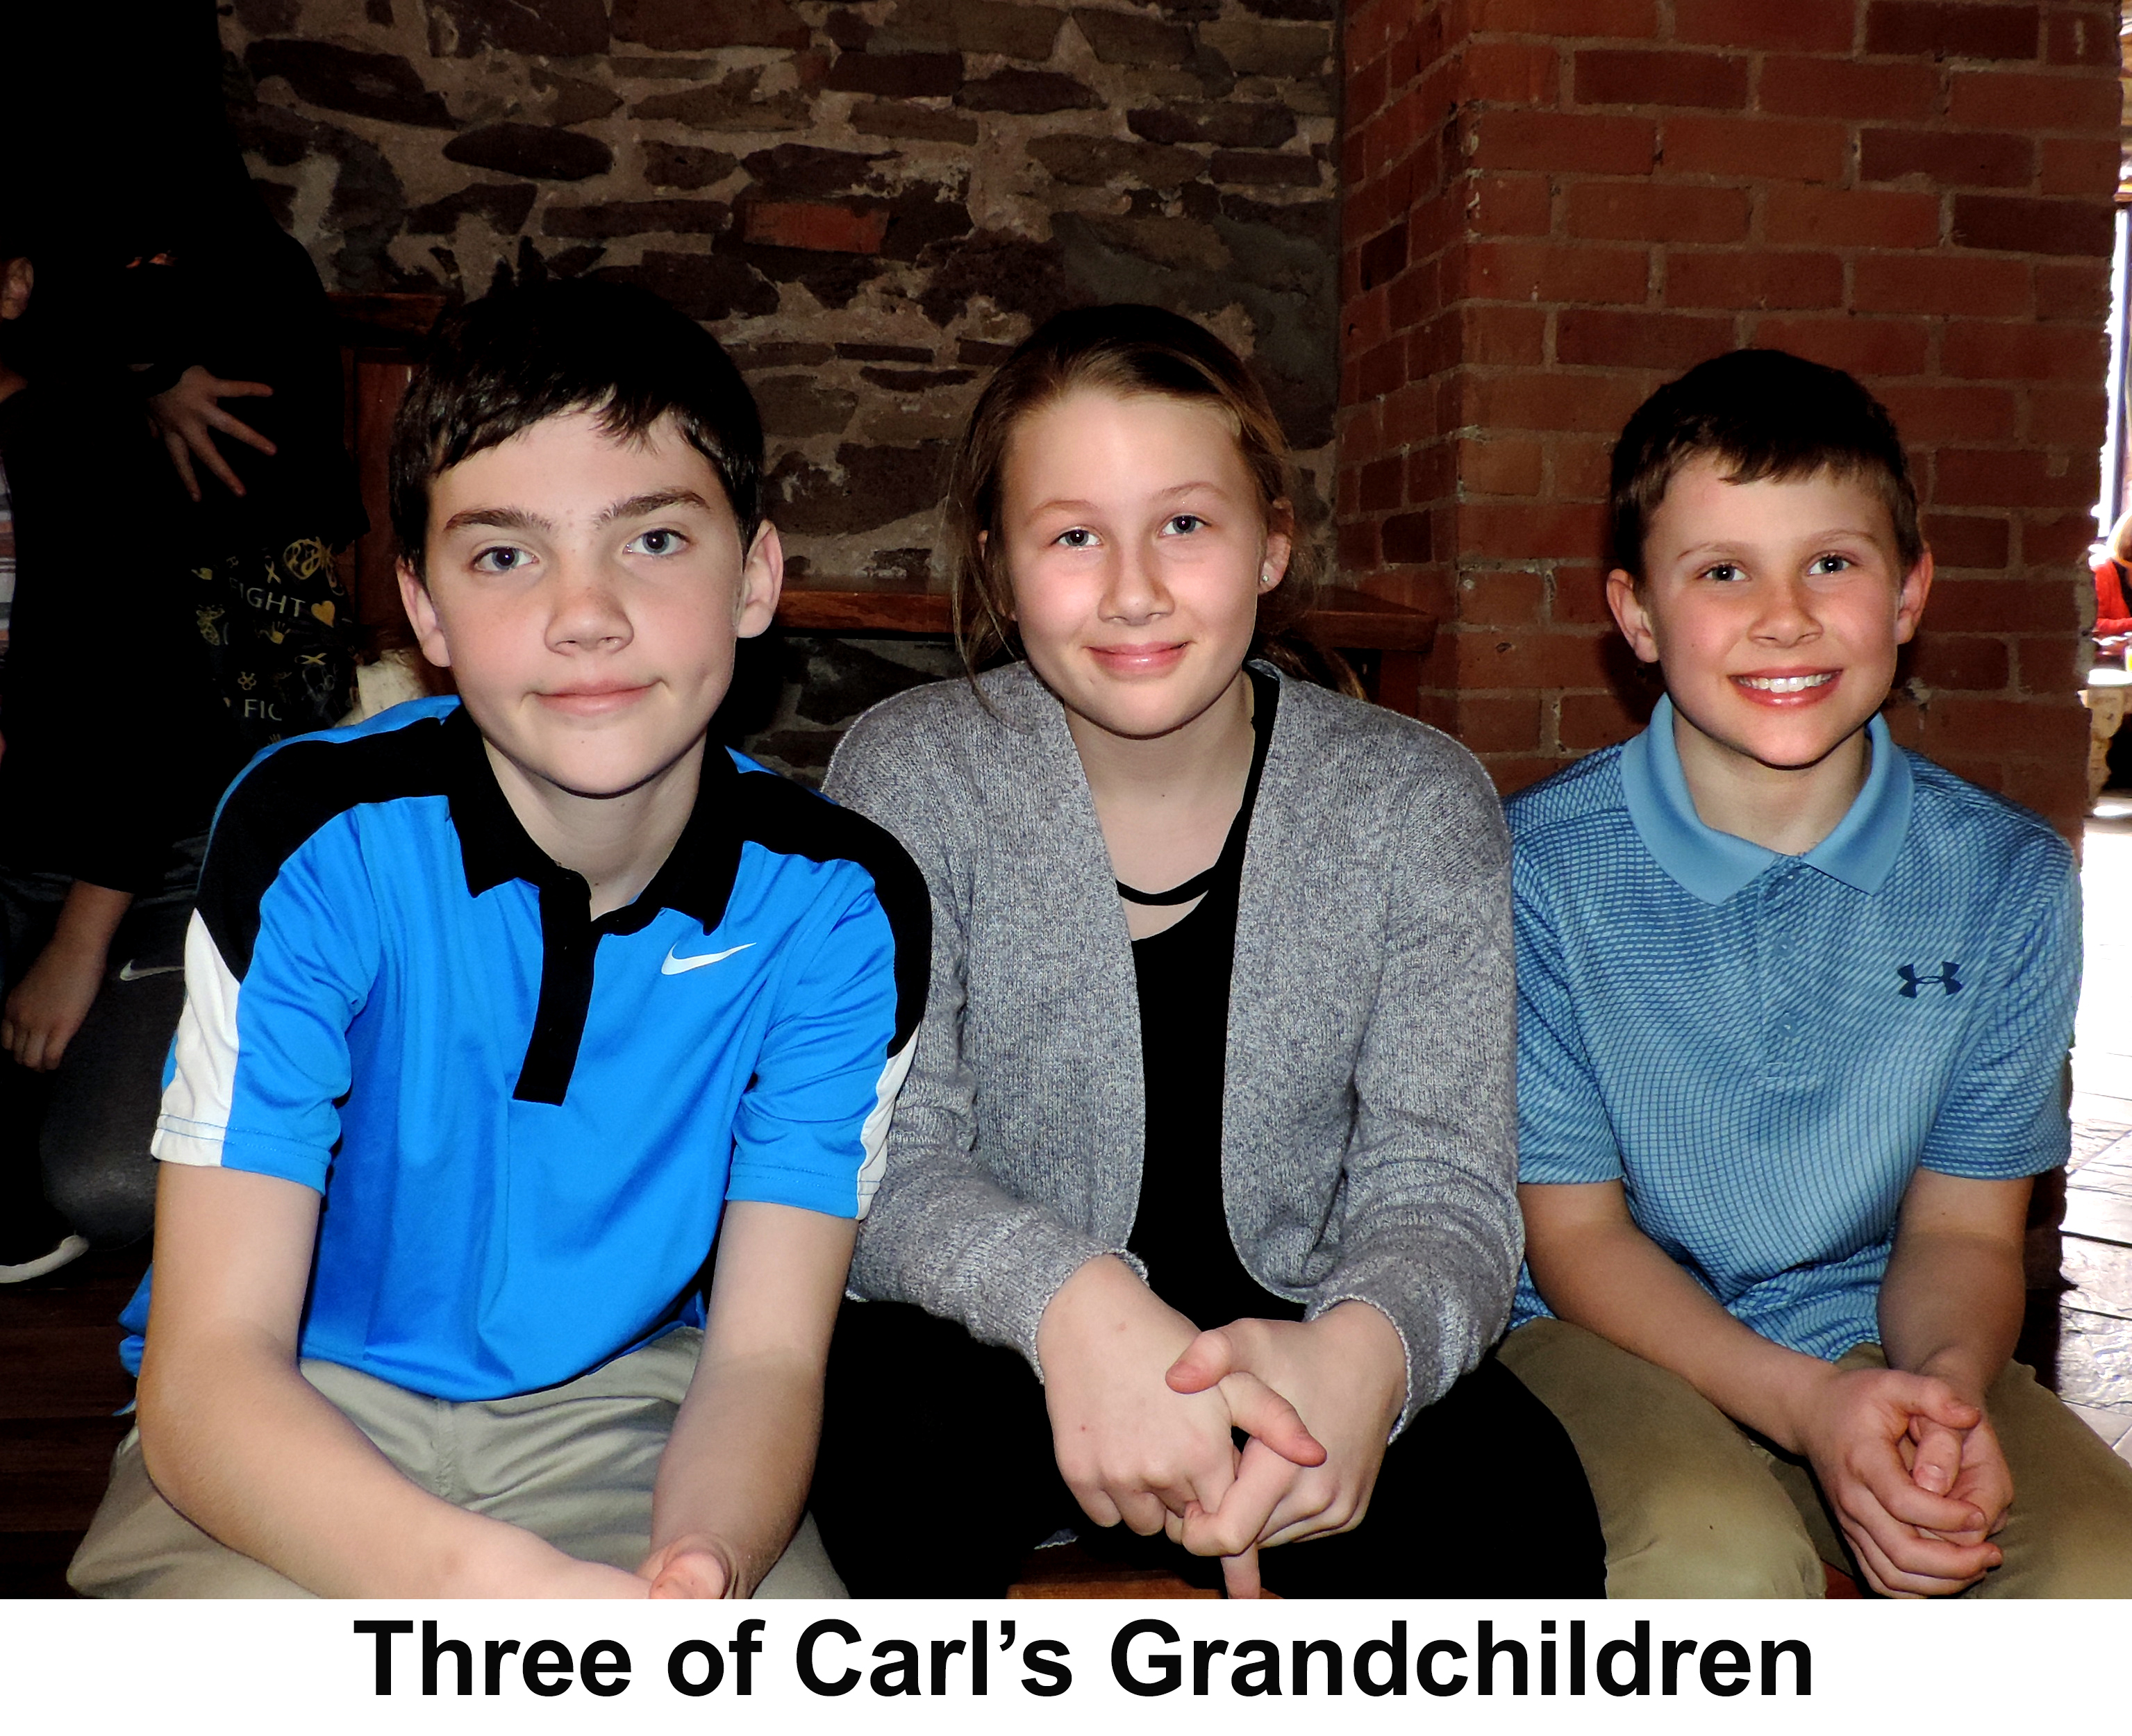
column 1553, row 205
column 868, row 203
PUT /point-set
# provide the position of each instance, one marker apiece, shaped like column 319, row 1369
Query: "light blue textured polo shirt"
column 1764, row 1048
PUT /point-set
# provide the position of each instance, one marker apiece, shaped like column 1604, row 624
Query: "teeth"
column 1784, row 683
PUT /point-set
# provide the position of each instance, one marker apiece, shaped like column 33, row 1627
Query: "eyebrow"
column 517, row 518
column 1181, row 488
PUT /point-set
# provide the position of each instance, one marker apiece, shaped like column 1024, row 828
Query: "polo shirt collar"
column 1715, row 865
column 696, row 878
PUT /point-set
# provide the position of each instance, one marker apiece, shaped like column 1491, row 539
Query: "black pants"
column 936, row 1478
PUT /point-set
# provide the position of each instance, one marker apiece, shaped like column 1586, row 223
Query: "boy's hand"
column 55, row 995
column 1345, row 1374
column 189, row 416
column 1129, row 1447
column 1857, row 1430
column 690, row 1567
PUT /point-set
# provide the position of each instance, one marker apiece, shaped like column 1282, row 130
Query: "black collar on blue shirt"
column 696, row 878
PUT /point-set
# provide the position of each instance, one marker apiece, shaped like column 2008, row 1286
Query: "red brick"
column 1738, row 278
column 2081, row 40
column 1597, row 144
column 1509, row 466
column 2003, row 606
column 1365, row 91
column 1384, row 485
column 1962, row 32
column 1638, row 75
column 1958, row 541
column 1652, row 211
column 1844, row 217
column 1948, row 159
column 1981, row 350
column 1970, row 661
column 1355, row 546
column 1502, row 658
column 1501, row 599
column 816, row 228
column 1875, row 348
column 1408, row 415
column 1407, row 538
column 1962, row 722
column 2085, row 168
column 1847, row 89
column 1636, row 18
column 1431, row 473
column 1962, row 477
column 2061, row 540
column 1383, row 369
column 1511, row 72
column 2059, row 225
column 1510, row 204
column 1589, row 721
column 1577, row 596
column 1504, row 336
column 2063, row 102
column 1592, row 338
column 1597, row 405
column 1798, row 24
column 1579, row 468
column 1539, row 272
column 1762, row 150
column 2069, row 415
column 1506, row 530
column 1939, row 283
column 1929, row 414
column 2073, row 291
column 1498, row 724
column 2046, row 665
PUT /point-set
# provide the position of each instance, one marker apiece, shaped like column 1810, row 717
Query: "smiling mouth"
column 588, row 700
column 1786, row 684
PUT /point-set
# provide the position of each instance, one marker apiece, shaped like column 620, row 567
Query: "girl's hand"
column 1130, row 1447
column 189, row 414
column 1345, row 1373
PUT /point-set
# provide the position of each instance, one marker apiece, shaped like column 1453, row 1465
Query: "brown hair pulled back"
column 1126, row 350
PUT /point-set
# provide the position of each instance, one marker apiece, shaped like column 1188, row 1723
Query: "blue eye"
column 1183, row 524
column 656, row 542
column 501, row 558
column 1079, row 537
column 1724, row 573
column 1831, row 563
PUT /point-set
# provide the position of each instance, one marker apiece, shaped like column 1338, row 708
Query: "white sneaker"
column 70, row 1250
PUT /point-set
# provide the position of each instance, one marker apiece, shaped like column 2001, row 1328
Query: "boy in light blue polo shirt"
column 1793, row 1010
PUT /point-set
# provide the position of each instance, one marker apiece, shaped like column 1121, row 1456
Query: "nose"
column 1133, row 592
column 589, row 613
column 1786, row 617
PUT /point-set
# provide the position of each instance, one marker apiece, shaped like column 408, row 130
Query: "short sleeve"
column 275, row 974
column 1564, row 1134
column 2004, row 1116
column 812, row 1126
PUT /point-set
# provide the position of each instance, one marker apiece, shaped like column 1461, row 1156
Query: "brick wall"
column 1553, row 205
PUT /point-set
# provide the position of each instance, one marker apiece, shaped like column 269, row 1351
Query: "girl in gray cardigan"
column 1273, row 1102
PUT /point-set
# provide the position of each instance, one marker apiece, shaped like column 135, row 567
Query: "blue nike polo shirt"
column 1764, row 1048
column 525, row 1122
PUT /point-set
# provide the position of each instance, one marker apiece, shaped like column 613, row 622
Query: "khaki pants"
column 1694, row 1506
column 574, row 1464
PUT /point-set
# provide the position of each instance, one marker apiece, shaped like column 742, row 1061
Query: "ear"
column 1280, row 545
column 1910, row 602
column 761, row 583
column 1630, row 615
column 422, row 609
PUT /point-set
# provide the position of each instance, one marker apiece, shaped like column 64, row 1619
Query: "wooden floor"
column 60, row 1385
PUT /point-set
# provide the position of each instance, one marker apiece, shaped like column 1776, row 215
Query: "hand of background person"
column 690, row 1567
column 1130, row 1447
column 189, row 416
column 1345, row 1373
column 1910, row 1541
column 48, row 1003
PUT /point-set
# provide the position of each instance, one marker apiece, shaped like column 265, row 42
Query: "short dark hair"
column 1764, row 416
column 498, row 365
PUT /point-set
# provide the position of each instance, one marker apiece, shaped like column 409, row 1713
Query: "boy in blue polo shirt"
column 1793, row 1011
column 499, row 1012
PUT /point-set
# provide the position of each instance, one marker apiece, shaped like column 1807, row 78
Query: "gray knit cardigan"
column 1368, row 1129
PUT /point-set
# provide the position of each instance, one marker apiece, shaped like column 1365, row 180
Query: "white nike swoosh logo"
column 675, row 964
column 130, row 972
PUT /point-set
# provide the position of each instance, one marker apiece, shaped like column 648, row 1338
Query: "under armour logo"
column 1912, row 982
